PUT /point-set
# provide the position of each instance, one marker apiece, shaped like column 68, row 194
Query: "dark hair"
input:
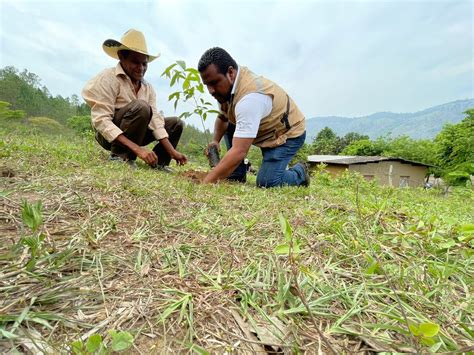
column 219, row 57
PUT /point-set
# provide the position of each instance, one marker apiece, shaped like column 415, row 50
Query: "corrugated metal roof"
column 352, row 159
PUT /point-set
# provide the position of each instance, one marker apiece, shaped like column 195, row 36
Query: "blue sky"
column 347, row 58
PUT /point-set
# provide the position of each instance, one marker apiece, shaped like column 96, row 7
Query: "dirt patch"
column 6, row 172
column 194, row 175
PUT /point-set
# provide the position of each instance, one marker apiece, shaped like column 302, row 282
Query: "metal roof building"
column 390, row 171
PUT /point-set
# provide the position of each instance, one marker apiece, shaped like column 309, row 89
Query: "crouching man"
column 255, row 111
column 123, row 108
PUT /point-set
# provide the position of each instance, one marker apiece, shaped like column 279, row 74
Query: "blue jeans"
column 273, row 171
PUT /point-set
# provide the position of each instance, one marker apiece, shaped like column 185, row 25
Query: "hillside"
column 422, row 124
column 122, row 258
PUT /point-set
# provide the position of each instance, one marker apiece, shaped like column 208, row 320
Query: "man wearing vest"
column 123, row 108
column 255, row 111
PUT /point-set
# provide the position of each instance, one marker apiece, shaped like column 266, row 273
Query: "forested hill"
column 24, row 91
column 422, row 124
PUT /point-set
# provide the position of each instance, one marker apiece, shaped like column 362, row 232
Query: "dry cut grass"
column 192, row 268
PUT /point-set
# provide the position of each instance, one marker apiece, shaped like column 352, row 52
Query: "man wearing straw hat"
column 123, row 108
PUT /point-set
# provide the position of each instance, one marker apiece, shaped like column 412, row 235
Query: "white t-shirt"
column 249, row 111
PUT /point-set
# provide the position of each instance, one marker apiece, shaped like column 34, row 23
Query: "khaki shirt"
column 111, row 90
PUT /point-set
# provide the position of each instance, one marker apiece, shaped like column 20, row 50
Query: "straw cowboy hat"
column 132, row 40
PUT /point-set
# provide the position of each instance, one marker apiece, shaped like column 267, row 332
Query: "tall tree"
column 365, row 147
column 348, row 139
column 421, row 150
column 326, row 142
column 23, row 90
column 455, row 143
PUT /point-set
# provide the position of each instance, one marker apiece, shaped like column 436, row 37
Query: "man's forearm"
column 167, row 146
column 124, row 141
column 226, row 166
column 230, row 161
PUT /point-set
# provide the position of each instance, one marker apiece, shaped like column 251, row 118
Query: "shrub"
column 364, row 147
column 7, row 113
column 460, row 176
column 45, row 124
column 81, row 124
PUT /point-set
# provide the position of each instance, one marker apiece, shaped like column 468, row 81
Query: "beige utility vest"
column 284, row 121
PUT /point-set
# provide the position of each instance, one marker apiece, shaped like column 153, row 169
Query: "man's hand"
column 179, row 157
column 148, row 156
column 174, row 154
column 240, row 147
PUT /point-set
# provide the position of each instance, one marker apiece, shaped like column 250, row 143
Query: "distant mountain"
column 422, row 124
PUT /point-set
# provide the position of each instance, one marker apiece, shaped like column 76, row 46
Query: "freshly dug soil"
column 194, row 175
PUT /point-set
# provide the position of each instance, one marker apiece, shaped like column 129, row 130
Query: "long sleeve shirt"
column 111, row 90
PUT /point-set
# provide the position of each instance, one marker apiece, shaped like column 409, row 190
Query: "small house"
column 386, row 170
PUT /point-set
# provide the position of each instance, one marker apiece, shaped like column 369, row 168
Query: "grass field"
column 114, row 258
